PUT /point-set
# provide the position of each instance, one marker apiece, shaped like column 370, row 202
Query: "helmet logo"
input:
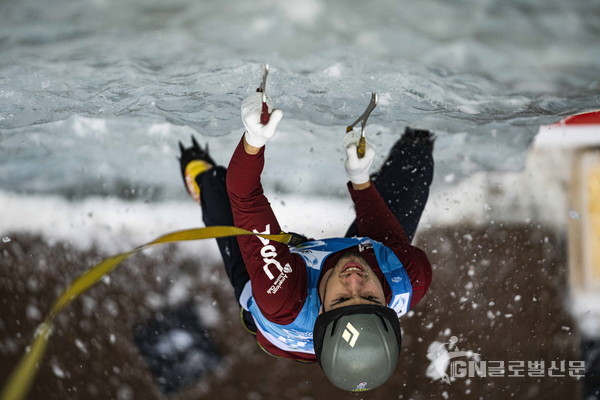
column 350, row 334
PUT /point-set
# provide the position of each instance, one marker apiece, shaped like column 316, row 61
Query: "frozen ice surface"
column 95, row 95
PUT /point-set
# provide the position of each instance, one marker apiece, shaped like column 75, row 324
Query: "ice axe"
column 362, row 143
column 264, row 115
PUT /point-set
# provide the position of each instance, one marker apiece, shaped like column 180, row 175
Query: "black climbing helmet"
column 358, row 346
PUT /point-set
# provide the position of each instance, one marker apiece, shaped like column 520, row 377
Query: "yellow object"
column 192, row 170
column 593, row 191
column 362, row 147
column 18, row 384
column 584, row 224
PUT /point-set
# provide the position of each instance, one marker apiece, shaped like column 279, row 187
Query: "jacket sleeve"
column 279, row 278
column 375, row 220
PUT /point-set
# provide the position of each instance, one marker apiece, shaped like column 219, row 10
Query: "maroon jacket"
column 281, row 302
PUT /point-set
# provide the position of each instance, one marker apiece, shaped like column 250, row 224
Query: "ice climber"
column 332, row 301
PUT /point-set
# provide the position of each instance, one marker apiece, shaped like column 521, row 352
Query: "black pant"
column 216, row 210
column 403, row 181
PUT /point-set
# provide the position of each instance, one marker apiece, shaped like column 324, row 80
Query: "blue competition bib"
column 297, row 336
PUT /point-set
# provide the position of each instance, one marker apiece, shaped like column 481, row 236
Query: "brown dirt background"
column 477, row 271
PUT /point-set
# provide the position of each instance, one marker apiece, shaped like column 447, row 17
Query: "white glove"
column 357, row 169
column 258, row 134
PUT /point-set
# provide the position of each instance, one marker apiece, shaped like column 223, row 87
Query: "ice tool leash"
column 19, row 382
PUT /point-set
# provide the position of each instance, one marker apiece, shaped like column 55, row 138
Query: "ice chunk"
column 57, row 370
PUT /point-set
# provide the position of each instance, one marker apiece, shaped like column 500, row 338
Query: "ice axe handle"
column 362, row 147
column 264, row 115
